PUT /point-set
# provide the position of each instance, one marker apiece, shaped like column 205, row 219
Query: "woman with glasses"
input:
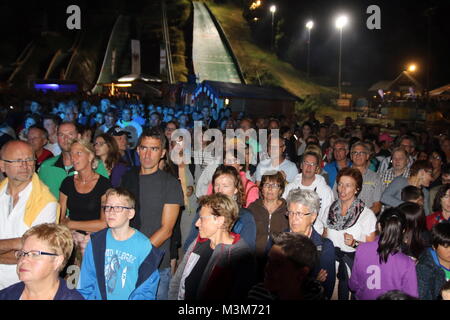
column 303, row 208
column 46, row 248
column 107, row 150
column 226, row 180
column 269, row 212
column 441, row 207
column 218, row 265
column 82, row 194
column 348, row 223
column 420, row 176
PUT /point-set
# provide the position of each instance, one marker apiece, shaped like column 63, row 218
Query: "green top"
column 52, row 173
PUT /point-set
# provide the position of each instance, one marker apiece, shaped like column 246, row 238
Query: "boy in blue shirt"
column 119, row 262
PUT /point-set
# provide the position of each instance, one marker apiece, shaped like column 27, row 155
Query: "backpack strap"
column 247, row 191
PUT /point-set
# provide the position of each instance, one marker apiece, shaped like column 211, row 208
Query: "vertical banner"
column 135, row 57
column 162, row 60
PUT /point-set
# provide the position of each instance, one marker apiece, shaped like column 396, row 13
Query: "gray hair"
column 407, row 137
column 343, row 142
column 308, row 198
column 360, row 144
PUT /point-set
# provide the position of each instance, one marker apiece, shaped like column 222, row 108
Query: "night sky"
column 371, row 55
column 368, row 55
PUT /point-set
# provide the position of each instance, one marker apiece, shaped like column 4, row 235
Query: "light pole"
column 411, row 69
column 273, row 8
column 341, row 22
column 309, row 25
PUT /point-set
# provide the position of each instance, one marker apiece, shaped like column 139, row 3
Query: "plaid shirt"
column 388, row 175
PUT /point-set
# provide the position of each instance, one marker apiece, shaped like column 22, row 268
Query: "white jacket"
column 325, row 193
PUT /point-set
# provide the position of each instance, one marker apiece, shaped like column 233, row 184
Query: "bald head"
column 13, row 145
column 18, row 161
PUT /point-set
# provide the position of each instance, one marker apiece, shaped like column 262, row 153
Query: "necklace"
column 84, row 181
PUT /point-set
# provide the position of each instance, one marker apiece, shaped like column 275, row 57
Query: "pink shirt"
column 251, row 189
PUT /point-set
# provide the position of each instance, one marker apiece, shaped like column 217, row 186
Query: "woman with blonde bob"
column 46, row 248
column 218, row 264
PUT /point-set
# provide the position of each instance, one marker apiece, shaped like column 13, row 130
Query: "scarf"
column 40, row 196
column 339, row 222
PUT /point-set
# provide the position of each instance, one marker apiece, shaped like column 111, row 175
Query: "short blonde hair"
column 89, row 148
column 315, row 149
column 58, row 237
column 121, row 192
column 222, row 206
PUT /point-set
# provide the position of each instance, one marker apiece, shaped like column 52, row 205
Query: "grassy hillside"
column 263, row 67
column 257, row 62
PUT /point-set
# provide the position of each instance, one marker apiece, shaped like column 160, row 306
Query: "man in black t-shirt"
column 159, row 197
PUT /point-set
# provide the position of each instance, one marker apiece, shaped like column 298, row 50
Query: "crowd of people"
column 318, row 212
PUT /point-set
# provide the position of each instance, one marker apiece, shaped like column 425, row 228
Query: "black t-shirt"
column 192, row 281
column 156, row 190
column 84, row 206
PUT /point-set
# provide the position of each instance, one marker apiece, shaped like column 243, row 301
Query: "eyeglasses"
column 20, row 162
column 33, row 254
column 298, row 214
column 436, row 158
column 310, row 164
column 116, row 209
column 271, row 185
column 206, row 217
column 99, row 144
column 358, row 153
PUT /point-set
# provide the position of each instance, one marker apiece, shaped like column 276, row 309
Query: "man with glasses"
column 54, row 170
column 310, row 180
column 408, row 143
column 37, row 137
column 277, row 161
column 25, row 202
column 158, row 199
column 340, row 154
column 372, row 186
column 129, row 263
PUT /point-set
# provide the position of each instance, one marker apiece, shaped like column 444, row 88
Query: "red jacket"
column 434, row 218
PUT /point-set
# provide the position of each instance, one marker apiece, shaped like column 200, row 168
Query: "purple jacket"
column 370, row 278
